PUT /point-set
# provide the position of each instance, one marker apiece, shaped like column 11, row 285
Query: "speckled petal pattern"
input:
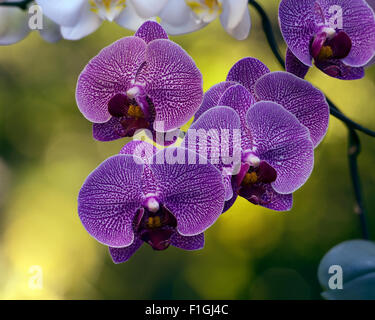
column 299, row 97
column 214, row 122
column 212, row 96
column 172, row 81
column 239, row 99
column 194, row 193
column 337, row 69
column 150, row 31
column 107, row 74
column 294, row 65
column 298, row 26
column 109, row 200
column 120, row 255
column 277, row 201
column 246, row 72
column 188, row 243
column 281, row 140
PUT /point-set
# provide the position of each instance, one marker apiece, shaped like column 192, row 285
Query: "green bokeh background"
column 46, row 151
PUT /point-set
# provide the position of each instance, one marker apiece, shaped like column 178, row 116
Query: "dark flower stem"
column 354, row 144
column 20, row 4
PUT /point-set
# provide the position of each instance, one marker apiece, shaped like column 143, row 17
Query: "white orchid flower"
column 14, row 26
column 79, row 18
column 184, row 16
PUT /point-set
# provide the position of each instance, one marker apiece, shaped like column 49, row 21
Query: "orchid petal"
column 236, row 18
column 64, row 12
column 212, row 97
column 294, row 65
column 107, row 74
column 282, row 141
column 148, row 8
column 129, row 19
column 144, row 151
column 213, row 123
column 188, row 243
column 276, row 201
column 51, row 31
column 13, row 25
column 177, row 18
column 298, row 26
column 109, row 199
column 87, row 24
column 150, row 31
column 246, row 72
column 337, row 69
column 173, row 82
column 239, row 99
column 190, row 188
column 120, row 255
column 299, row 97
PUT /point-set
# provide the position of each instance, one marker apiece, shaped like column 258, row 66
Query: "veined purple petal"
column 150, row 31
column 212, row 96
column 109, row 199
column 281, row 140
column 298, row 24
column 246, row 72
column 144, row 151
column 238, row 98
column 107, row 74
column 120, row 255
column 140, row 149
column 188, row 243
column 337, row 69
column 108, row 131
column 276, row 201
column 294, row 65
column 213, row 136
column 173, row 82
column 299, row 97
column 359, row 23
column 194, row 193
column 164, row 138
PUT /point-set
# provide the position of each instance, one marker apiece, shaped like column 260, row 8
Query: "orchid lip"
column 132, row 114
column 251, row 180
column 155, row 226
column 330, row 44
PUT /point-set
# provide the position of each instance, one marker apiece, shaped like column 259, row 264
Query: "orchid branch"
column 21, row 4
column 354, row 145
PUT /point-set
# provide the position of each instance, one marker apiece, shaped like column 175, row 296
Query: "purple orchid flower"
column 281, row 119
column 339, row 35
column 133, row 197
column 140, row 82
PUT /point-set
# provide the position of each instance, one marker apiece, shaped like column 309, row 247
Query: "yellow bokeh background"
column 46, row 151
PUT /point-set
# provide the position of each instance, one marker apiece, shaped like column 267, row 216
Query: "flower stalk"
column 21, row 4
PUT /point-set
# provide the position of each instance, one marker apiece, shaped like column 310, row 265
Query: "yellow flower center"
column 107, row 9
column 135, row 112
column 154, row 222
column 205, row 10
column 250, row 178
column 325, row 53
